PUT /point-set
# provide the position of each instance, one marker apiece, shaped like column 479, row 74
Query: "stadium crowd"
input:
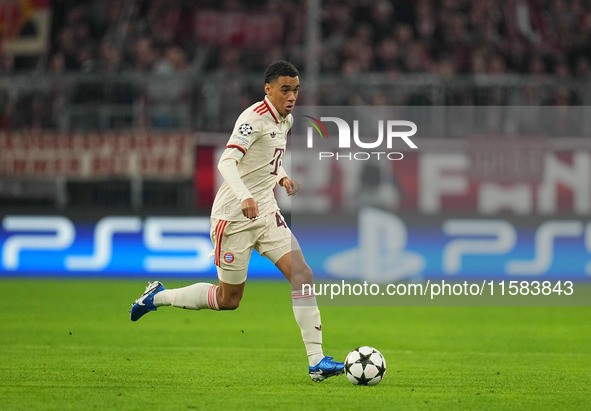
column 397, row 36
column 537, row 38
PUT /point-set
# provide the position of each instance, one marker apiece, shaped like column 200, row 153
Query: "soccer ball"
column 365, row 366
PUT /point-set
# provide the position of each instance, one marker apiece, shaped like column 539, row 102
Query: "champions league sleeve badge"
column 245, row 129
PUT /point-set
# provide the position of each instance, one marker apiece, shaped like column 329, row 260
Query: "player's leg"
column 193, row 297
column 280, row 246
column 197, row 296
column 229, row 295
column 307, row 315
column 200, row 296
column 232, row 252
column 305, row 309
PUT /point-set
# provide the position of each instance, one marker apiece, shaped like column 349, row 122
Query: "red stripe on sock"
column 211, row 297
column 300, row 294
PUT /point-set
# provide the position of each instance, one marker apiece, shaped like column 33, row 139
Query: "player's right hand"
column 250, row 209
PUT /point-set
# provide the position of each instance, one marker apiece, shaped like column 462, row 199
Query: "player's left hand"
column 291, row 186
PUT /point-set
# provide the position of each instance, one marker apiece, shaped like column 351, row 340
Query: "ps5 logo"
column 381, row 254
column 178, row 244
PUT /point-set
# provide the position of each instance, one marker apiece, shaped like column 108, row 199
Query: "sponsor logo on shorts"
column 229, row 257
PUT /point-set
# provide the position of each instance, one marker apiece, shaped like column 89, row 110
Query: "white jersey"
column 260, row 133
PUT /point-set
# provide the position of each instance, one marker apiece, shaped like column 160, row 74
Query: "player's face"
column 283, row 93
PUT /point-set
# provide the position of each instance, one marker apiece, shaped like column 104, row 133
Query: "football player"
column 245, row 215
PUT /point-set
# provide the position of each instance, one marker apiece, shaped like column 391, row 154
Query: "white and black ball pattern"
column 365, row 366
column 245, row 129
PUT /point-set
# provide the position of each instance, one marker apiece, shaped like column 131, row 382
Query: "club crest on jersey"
column 245, row 129
column 229, row 257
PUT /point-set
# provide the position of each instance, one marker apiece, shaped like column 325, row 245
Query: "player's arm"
column 246, row 131
column 228, row 167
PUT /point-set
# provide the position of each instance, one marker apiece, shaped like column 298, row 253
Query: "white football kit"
column 251, row 167
column 256, row 146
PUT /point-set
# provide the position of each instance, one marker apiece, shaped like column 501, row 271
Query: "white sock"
column 193, row 297
column 307, row 315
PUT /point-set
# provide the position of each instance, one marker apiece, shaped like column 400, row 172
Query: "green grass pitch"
column 69, row 344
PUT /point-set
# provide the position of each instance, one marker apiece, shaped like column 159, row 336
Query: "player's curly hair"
column 278, row 69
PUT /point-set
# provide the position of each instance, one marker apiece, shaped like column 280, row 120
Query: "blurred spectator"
column 381, row 35
column 33, row 111
column 478, row 39
column 169, row 90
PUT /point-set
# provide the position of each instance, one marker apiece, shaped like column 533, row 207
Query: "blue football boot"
column 145, row 303
column 326, row 368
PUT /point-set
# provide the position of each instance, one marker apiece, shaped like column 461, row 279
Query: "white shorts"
column 234, row 241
